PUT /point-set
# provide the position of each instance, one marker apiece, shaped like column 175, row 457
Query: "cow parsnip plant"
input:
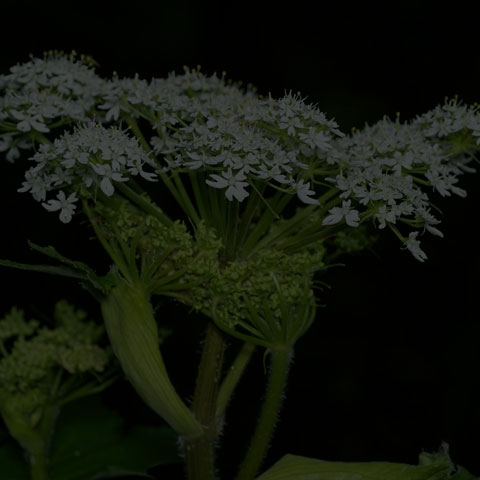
column 233, row 161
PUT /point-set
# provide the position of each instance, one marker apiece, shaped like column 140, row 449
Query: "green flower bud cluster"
column 251, row 279
column 195, row 262
column 169, row 249
column 124, row 222
column 31, row 356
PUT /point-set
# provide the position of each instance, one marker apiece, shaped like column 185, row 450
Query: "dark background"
column 390, row 367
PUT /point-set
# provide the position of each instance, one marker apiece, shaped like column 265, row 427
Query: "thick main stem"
column 199, row 452
column 280, row 362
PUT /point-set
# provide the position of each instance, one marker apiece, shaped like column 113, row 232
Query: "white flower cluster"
column 208, row 124
column 42, row 92
column 169, row 100
column 203, row 121
column 381, row 168
column 92, row 155
column 268, row 139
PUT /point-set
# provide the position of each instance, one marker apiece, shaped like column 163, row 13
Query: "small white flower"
column 108, row 175
column 234, row 183
column 29, row 121
column 315, row 138
column 338, row 213
column 383, row 216
column 414, row 246
column 303, row 192
column 65, row 205
column 434, row 231
column 37, row 185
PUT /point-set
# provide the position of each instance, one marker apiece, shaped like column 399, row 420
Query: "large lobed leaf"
column 292, row 467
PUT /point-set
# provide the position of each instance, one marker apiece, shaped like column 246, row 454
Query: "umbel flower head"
column 206, row 123
column 91, row 157
column 229, row 140
column 43, row 94
column 99, row 156
column 229, row 285
column 33, row 357
column 385, row 169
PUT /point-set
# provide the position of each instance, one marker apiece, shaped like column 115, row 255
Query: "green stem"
column 38, row 466
column 248, row 214
column 138, row 133
column 216, row 217
column 232, row 378
column 231, row 226
column 89, row 389
column 293, row 224
column 35, row 441
column 199, row 193
column 186, row 202
column 280, row 362
column 39, row 459
column 132, row 123
column 111, row 249
column 294, row 237
column 200, row 454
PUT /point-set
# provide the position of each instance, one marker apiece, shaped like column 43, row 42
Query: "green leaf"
column 292, row 467
column 13, row 465
column 463, row 474
column 93, row 442
column 76, row 269
column 63, row 271
column 83, row 271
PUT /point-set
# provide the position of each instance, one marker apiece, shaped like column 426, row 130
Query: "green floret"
column 192, row 265
column 164, row 255
column 13, row 324
column 73, row 322
column 172, row 261
column 252, row 280
column 32, row 364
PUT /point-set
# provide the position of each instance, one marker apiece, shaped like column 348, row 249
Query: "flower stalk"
column 232, row 378
column 281, row 358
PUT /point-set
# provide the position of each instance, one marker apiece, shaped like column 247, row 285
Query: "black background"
column 390, row 367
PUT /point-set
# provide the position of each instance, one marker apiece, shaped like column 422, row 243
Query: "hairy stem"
column 199, row 452
column 232, row 378
column 280, row 362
